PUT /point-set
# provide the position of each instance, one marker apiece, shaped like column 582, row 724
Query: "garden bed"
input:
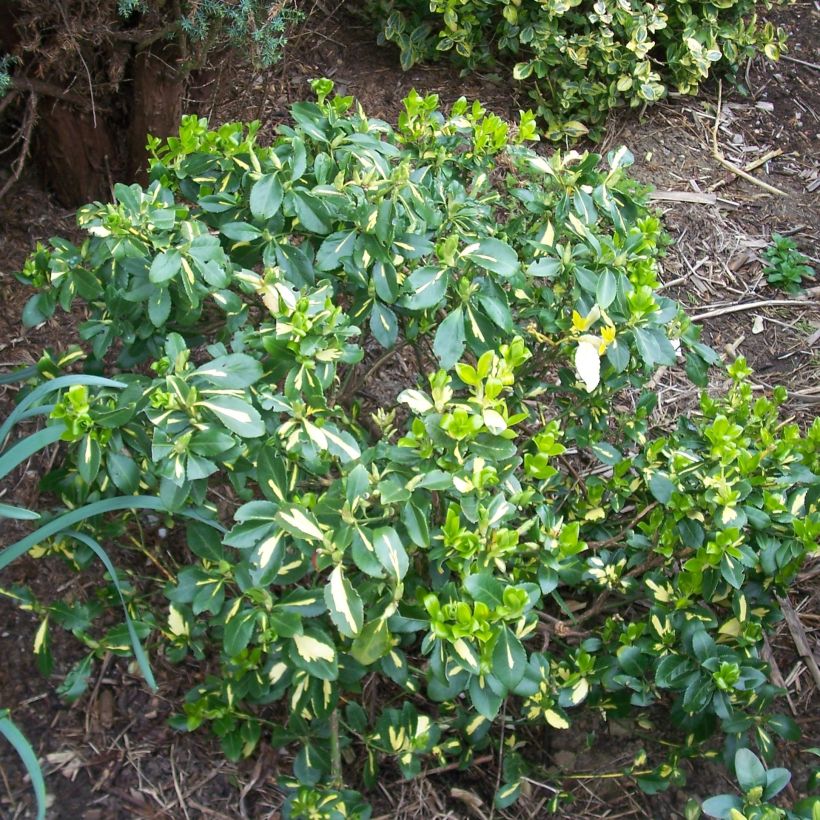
column 112, row 755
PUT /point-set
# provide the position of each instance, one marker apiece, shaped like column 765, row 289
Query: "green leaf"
column 314, row 652
column 383, row 325
column 749, row 771
column 776, row 781
column 654, row 347
column 334, row 249
column 136, row 646
column 23, row 748
column 484, row 699
column 312, row 213
column 88, row 459
column 493, row 255
column 721, row 805
column 341, row 444
column 239, row 628
column 416, row 522
column 385, row 281
column 507, row 795
column 450, row 339
column 266, row 196
column 606, row 290
column 785, row 726
column 364, row 553
column 27, row 447
column 606, row 453
column 390, row 552
column 18, row 513
column 618, row 356
column 425, row 288
column 494, row 303
column 344, row 604
column 485, row 588
column 509, row 659
column 662, row 487
column 159, row 306
column 240, row 231
column 237, row 415
column 69, row 519
column 165, row 266
column 299, row 522
column 234, row 371
column 372, row 643
column 123, row 471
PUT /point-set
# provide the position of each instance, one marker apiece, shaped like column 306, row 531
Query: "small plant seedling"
column 787, row 267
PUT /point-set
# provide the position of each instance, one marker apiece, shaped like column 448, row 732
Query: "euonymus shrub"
column 579, row 59
column 510, row 539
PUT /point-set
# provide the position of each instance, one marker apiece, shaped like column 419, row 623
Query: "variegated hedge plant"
column 502, row 540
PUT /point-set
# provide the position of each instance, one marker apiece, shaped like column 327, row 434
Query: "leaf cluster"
column 786, row 267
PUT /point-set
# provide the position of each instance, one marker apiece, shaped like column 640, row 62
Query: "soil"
column 112, row 755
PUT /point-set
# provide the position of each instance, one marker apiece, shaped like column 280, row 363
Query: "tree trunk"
column 96, row 96
column 156, row 109
column 79, row 161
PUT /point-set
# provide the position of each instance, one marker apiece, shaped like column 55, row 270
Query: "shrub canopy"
column 577, row 59
column 509, row 538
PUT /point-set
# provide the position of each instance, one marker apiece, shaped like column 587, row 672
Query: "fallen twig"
column 750, row 166
column 797, row 60
column 711, row 314
column 718, row 155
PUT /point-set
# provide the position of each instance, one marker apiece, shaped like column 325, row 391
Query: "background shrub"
column 578, row 58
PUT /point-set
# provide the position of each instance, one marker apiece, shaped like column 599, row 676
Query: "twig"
column 797, row 60
column 177, row 788
column 85, row 65
column 351, row 387
column 335, row 750
column 28, row 128
column 711, row 314
column 24, row 84
column 672, row 282
column 500, row 755
column 616, row 538
column 750, row 166
column 777, row 675
column 448, row 768
column 718, row 156
column 8, row 100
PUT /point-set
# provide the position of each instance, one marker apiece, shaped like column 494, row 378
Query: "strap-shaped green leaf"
column 139, row 652
column 26, row 753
